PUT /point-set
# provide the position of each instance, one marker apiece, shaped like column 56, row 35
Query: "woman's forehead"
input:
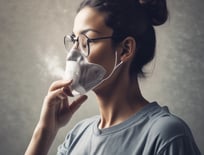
column 90, row 19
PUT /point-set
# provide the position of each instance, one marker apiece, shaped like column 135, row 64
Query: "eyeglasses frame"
column 89, row 40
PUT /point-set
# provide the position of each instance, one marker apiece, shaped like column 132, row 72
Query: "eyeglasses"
column 83, row 42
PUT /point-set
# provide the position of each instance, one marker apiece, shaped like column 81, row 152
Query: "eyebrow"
column 86, row 31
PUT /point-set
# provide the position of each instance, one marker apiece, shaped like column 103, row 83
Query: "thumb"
column 77, row 103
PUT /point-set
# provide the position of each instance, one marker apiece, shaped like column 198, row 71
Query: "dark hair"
column 134, row 18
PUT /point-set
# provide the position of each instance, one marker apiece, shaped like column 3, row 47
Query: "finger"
column 59, row 84
column 77, row 103
column 56, row 94
column 65, row 104
column 67, row 91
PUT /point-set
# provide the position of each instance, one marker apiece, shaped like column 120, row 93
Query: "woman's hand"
column 56, row 112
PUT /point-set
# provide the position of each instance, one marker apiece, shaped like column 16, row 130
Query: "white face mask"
column 85, row 75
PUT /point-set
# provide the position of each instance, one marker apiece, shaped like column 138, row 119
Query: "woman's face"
column 92, row 23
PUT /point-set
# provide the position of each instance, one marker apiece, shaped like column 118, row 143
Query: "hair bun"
column 157, row 10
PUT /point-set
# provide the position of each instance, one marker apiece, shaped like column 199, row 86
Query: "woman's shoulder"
column 170, row 132
column 162, row 122
column 85, row 123
column 169, row 128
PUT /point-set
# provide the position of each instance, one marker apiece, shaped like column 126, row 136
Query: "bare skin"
column 119, row 97
column 56, row 112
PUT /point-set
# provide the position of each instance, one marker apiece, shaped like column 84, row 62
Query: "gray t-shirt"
column 151, row 131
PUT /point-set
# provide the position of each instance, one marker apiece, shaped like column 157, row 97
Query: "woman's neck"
column 119, row 102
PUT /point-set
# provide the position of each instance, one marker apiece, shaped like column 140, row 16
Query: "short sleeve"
column 74, row 135
column 170, row 135
column 64, row 147
column 180, row 146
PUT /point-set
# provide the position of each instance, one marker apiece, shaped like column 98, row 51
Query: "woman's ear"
column 128, row 49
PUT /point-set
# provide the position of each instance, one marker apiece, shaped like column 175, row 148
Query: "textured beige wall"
column 32, row 55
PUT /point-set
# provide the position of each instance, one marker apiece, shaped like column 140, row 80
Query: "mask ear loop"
column 115, row 67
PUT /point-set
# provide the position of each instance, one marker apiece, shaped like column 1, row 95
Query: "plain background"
column 32, row 55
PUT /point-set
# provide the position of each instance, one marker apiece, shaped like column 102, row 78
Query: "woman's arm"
column 56, row 112
column 40, row 142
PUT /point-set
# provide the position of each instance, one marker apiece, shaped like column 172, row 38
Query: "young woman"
column 119, row 36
